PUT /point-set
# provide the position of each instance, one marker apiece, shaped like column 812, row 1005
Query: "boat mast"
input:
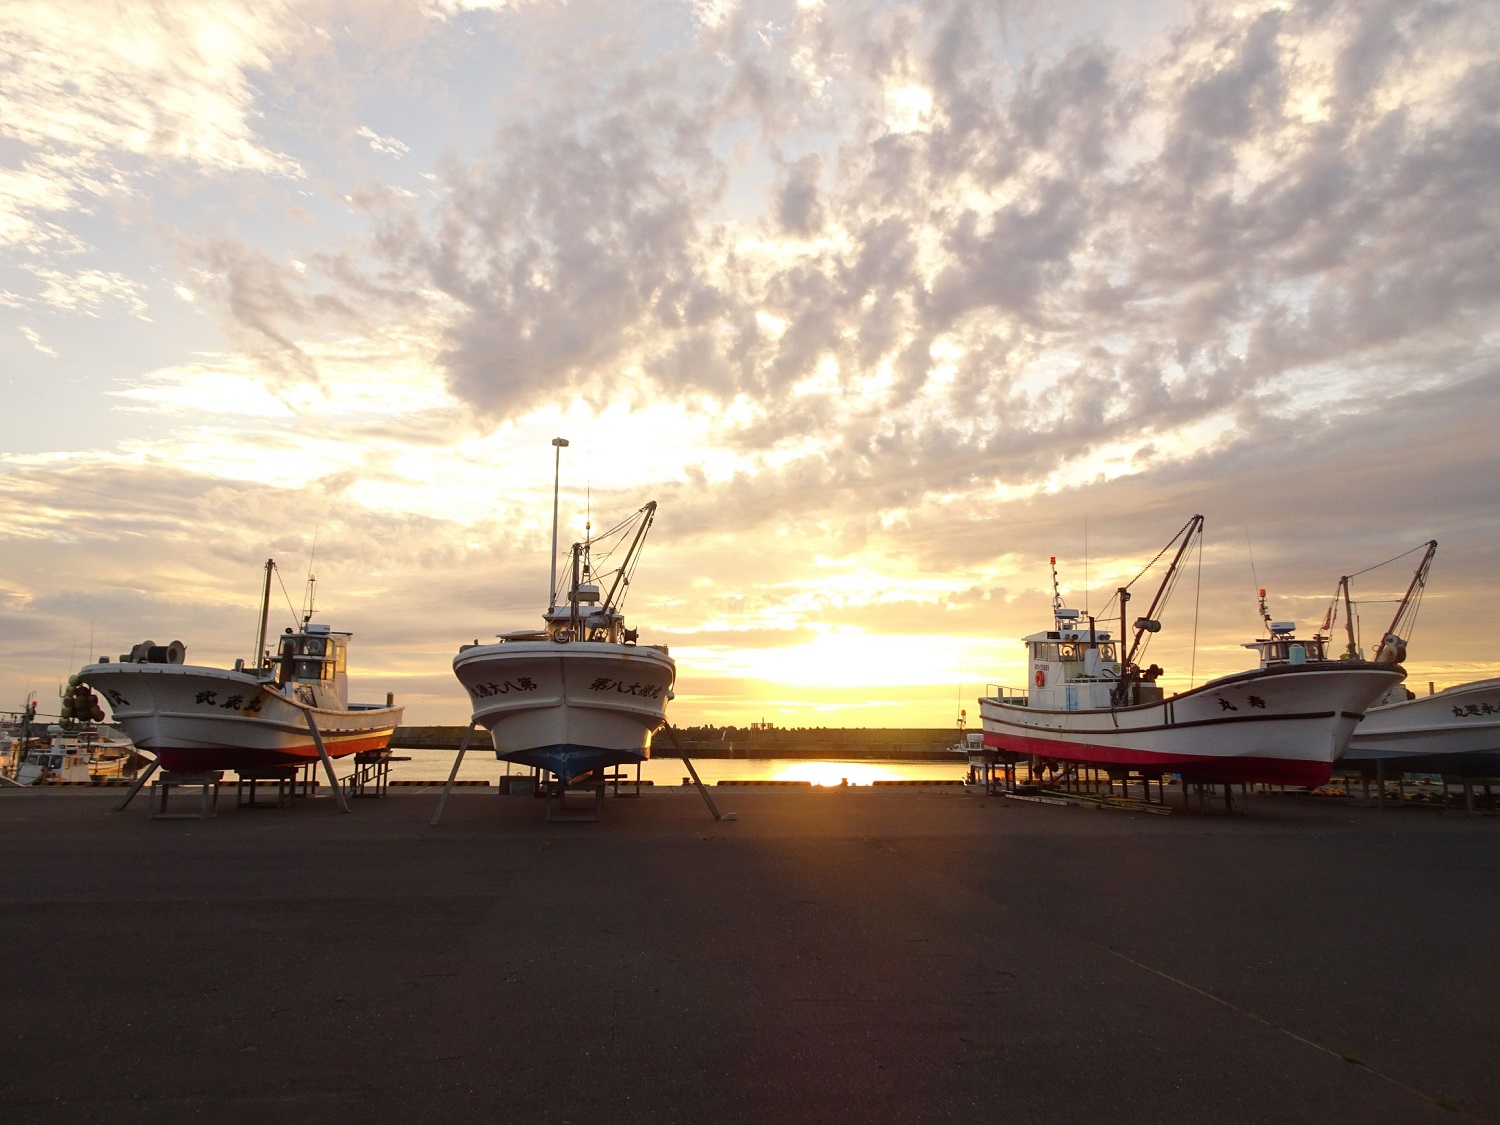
column 635, row 545
column 559, row 444
column 573, row 622
column 265, row 614
column 1351, row 652
column 1148, row 623
column 1406, row 611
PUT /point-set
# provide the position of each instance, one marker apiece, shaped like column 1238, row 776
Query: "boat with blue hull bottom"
column 580, row 694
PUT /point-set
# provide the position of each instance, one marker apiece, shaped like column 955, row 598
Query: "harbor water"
column 480, row 764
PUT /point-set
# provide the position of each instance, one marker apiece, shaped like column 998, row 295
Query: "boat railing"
column 1013, row 697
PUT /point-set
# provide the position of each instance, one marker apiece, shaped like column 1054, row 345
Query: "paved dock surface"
column 864, row 955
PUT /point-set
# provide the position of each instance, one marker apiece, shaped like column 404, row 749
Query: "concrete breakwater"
column 915, row 744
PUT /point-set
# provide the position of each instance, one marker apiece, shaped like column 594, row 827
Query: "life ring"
column 1041, row 678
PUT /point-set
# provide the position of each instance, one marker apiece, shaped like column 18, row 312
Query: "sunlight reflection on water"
column 481, row 765
column 850, row 773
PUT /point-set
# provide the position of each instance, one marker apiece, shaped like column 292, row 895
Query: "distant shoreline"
column 875, row 744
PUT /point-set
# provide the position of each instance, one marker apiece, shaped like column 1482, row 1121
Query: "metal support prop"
column 702, row 792
column 463, row 748
column 333, row 782
column 140, row 781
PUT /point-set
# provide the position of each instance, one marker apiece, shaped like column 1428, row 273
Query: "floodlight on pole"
column 559, row 444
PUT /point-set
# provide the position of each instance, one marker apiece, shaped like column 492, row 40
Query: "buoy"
column 1041, row 678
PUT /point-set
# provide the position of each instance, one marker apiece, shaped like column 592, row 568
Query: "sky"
column 885, row 304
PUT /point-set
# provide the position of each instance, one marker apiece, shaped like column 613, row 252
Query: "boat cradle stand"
column 206, row 782
column 463, row 747
column 558, row 790
column 284, row 778
column 372, row 773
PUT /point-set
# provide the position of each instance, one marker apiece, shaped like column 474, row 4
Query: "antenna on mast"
column 312, row 582
column 310, row 597
column 1085, row 566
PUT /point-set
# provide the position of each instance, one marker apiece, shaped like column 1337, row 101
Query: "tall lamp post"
column 559, row 444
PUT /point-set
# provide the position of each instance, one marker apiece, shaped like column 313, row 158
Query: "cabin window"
column 310, row 668
column 342, row 656
column 1044, row 651
column 1107, row 652
column 1067, row 651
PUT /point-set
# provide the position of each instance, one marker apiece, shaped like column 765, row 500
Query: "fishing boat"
column 1088, row 701
column 1455, row 731
column 581, row 693
column 73, row 756
column 33, row 752
column 259, row 714
column 970, row 744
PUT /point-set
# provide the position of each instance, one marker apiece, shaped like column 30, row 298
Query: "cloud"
column 86, row 100
column 35, row 340
column 88, row 291
column 388, row 146
column 1132, row 244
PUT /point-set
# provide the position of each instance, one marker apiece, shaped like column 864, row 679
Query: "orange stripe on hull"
column 297, row 754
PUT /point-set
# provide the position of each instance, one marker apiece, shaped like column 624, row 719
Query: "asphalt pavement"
column 873, row 955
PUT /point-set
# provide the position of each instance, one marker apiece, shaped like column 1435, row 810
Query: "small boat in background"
column 74, row 756
column 1088, row 702
column 33, row 752
column 194, row 717
column 970, row 743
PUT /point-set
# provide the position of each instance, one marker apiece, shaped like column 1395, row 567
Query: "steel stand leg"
column 463, row 748
column 140, row 781
column 702, row 792
column 333, row 781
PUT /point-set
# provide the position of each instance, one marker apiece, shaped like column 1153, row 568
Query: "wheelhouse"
column 316, row 657
column 1067, row 652
column 1283, row 647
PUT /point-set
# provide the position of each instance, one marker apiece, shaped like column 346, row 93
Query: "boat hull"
column 192, row 718
column 568, row 708
column 1456, row 731
column 1278, row 726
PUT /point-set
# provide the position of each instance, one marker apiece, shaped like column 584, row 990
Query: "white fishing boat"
column 1455, row 731
column 1087, row 701
column 580, row 693
column 34, row 751
column 193, row 717
column 72, row 756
